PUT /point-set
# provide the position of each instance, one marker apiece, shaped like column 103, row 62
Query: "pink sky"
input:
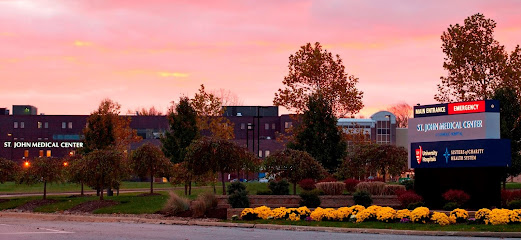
column 66, row 56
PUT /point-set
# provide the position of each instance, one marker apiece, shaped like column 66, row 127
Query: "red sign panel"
column 467, row 107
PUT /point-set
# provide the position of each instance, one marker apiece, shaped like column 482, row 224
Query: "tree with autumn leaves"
column 149, row 161
column 314, row 70
column 294, row 165
column 43, row 169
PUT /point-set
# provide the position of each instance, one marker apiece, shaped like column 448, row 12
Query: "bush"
column 515, row 204
column 239, row 199
column 374, row 188
column 198, row 209
column 409, row 197
column 238, row 195
column 264, row 192
column 279, row 188
column 209, row 200
column 457, row 196
column 235, row 187
column 310, row 199
column 451, row 206
column 175, row 204
column 507, row 196
column 362, row 198
column 351, row 184
column 409, row 184
column 331, row 188
column 307, row 184
column 394, row 189
column 415, row 205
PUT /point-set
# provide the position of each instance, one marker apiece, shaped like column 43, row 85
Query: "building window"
column 243, row 126
column 266, row 126
column 70, row 125
column 15, row 125
column 273, row 125
column 383, row 132
column 267, row 153
column 288, row 124
column 64, row 124
column 260, row 153
column 40, row 153
column 40, row 124
column 48, row 153
column 22, row 125
column 26, row 153
column 46, row 124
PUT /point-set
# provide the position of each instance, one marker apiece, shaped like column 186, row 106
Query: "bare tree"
column 403, row 112
column 228, row 98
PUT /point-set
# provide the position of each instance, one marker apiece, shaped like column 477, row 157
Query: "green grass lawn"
column 513, row 185
column 11, row 187
column 398, row 226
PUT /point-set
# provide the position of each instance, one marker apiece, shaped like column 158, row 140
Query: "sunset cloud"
column 173, row 74
column 82, row 43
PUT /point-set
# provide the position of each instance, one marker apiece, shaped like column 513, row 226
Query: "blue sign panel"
column 467, row 153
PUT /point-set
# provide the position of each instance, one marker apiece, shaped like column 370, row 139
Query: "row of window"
column 267, row 125
column 266, row 153
column 41, row 153
column 42, row 125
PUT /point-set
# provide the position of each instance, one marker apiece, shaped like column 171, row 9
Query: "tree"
column 77, row 171
column 8, row 170
column 183, row 130
column 228, row 98
column 43, row 169
column 106, row 129
column 217, row 155
column 318, row 134
column 371, row 158
column 510, row 122
column 313, row 70
column 106, row 168
column 475, row 61
column 149, row 160
column 210, row 111
column 294, row 165
column 152, row 111
column 402, row 112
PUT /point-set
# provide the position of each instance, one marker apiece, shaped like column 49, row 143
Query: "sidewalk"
column 137, row 219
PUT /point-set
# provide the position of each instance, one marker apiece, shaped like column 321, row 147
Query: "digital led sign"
column 456, row 108
column 465, row 153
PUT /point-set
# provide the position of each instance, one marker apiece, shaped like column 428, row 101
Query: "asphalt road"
column 15, row 228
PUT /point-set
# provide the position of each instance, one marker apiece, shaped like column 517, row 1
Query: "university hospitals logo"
column 419, row 154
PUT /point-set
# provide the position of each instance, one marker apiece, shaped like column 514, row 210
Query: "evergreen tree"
column 319, row 135
column 183, row 130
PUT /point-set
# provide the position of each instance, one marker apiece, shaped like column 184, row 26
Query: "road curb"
column 121, row 219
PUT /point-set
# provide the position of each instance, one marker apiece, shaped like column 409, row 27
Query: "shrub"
column 175, row 204
column 415, row 205
column 515, row 204
column 328, row 179
column 362, row 198
column 394, row 189
column 279, row 188
column 310, row 198
column 507, row 196
column 409, row 197
column 238, row 196
column 450, row 206
column 331, row 188
column 409, row 184
column 457, row 196
column 351, row 184
column 235, row 187
column 307, row 184
column 459, row 215
column 249, row 214
column 374, row 188
column 264, row 192
column 420, row 215
column 239, row 199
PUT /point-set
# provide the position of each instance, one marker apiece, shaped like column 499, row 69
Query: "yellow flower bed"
column 420, row 214
column 384, row 214
column 440, row 218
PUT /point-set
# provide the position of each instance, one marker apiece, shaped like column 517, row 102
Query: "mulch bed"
column 219, row 213
column 2, row 200
column 93, row 205
column 31, row 205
